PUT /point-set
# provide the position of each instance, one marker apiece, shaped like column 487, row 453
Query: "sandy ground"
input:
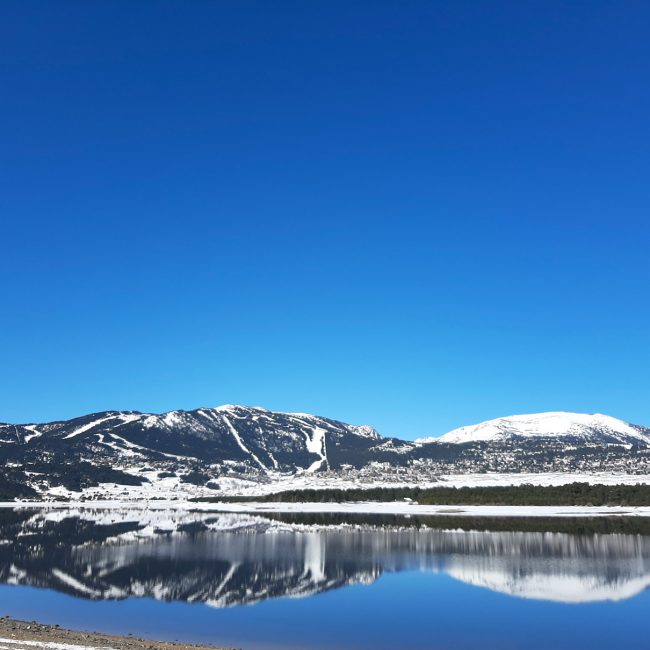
column 23, row 635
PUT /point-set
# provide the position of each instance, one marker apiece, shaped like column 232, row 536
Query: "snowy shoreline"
column 365, row 508
column 180, row 498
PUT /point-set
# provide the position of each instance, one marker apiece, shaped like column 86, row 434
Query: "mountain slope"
column 255, row 437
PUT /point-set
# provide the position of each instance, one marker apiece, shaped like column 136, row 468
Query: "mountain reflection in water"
column 224, row 560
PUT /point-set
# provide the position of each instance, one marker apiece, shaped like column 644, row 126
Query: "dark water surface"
column 251, row 582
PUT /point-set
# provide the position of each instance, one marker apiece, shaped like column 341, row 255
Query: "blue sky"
column 416, row 215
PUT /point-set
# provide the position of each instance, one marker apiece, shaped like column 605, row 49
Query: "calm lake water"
column 250, row 582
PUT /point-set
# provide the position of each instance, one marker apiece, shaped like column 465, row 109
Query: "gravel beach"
column 23, row 635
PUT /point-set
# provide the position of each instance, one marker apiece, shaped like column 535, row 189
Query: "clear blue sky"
column 416, row 215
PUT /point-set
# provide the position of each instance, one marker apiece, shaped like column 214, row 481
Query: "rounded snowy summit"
column 588, row 427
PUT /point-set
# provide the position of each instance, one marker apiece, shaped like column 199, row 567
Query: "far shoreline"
column 366, row 507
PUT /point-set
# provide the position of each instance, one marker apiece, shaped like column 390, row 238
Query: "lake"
column 257, row 582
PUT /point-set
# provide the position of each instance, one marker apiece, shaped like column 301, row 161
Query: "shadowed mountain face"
column 205, row 446
column 265, row 440
column 227, row 560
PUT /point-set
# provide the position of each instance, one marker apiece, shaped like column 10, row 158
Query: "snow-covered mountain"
column 230, row 449
column 253, row 436
column 572, row 427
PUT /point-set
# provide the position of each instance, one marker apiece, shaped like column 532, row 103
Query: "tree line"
column 572, row 494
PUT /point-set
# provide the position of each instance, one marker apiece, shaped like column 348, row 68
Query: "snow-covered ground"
column 406, row 508
column 48, row 645
column 357, row 507
column 173, row 489
column 170, row 494
column 555, row 478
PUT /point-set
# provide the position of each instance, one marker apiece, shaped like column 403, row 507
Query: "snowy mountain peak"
column 366, row 431
column 587, row 427
column 237, row 407
column 242, row 440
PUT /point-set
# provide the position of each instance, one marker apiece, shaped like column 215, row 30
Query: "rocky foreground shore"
column 23, row 635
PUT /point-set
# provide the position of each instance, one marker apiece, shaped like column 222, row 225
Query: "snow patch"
column 240, row 442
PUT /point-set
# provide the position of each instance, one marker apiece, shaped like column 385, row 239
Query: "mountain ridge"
column 549, row 424
column 230, row 446
column 451, row 436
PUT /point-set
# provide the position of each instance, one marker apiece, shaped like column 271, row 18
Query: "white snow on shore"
column 356, row 507
column 551, row 478
column 406, row 508
column 50, row 645
column 174, row 489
